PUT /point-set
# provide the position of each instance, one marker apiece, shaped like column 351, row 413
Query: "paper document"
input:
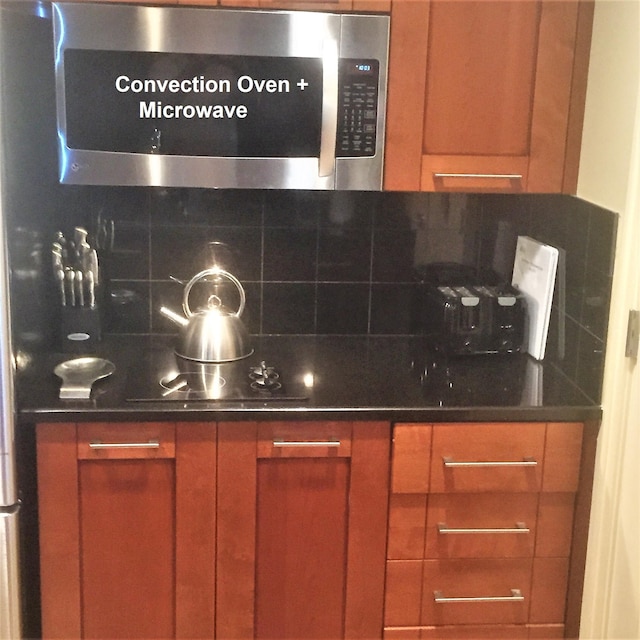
column 534, row 274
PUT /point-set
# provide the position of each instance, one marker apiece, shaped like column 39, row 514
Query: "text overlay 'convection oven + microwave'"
column 206, row 97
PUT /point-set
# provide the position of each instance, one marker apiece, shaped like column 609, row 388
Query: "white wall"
column 610, row 176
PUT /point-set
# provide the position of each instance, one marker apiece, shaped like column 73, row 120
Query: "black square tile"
column 343, row 309
column 344, row 255
column 391, row 308
column 288, row 309
column 290, row 255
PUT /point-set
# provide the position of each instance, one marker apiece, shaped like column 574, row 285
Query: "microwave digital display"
column 193, row 104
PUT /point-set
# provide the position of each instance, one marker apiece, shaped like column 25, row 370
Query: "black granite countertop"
column 328, row 378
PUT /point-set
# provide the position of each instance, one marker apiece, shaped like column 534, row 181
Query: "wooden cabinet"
column 199, row 530
column 301, row 529
column 486, row 96
column 127, row 529
column 480, row 529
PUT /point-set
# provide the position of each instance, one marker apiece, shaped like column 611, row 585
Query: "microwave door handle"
column 327, row 160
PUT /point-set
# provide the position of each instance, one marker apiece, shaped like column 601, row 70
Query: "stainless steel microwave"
column 219, row 98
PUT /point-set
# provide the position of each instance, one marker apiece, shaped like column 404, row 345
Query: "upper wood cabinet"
column 486, row 95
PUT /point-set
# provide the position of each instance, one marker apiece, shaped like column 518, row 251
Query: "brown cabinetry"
column 127, row 522
column 486, row 95
column 301, row 529
column 480, row 529
column 199, row 530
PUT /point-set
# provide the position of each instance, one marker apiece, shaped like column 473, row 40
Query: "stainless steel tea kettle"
column 213, row 334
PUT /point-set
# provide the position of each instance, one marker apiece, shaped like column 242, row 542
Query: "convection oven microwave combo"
column 219, row 98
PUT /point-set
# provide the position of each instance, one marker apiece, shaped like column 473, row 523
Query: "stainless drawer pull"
column 526, row 462
column 516, row 596
column 152, row 444
column 491, row 176
column 520, row 527
column 306, row 443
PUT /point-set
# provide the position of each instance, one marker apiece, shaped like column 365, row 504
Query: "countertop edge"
column 196, row 412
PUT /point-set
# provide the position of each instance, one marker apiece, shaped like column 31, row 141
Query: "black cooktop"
column 170, row 378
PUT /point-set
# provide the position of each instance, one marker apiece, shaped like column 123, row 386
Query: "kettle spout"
column 172, row 315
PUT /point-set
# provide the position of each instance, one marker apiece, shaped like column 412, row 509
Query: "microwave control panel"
column 357, row 108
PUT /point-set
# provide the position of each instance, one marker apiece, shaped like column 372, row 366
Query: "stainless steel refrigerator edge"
column 10, row 607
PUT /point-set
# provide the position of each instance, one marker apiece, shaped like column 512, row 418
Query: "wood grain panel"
column 401, row 633
column 578, row 95
column 195, row 529
column 301, row 433
column 127, row 538
column 480, row 77
column 403, row 593
column 123, row 433
column 546, row 631
column 552, row 97
column 487, row 442
column 236, row 534
column 407, row 526
column 555, row 524
column 549, row 590
column 484, row 511
column 563, row 450
column 476, row 632
column 483, row 578
column 59, row 516
column 474, row 173
column 368, row 505
column 406, row 94
column 411, row 458
column 301, row 548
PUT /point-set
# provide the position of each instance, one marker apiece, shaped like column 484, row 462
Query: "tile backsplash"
column 340, row 263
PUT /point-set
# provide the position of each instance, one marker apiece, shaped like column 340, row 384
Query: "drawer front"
column 476, row 591
column 120, row 441
column 487, row 457
column 302, row 440
column 484, row 525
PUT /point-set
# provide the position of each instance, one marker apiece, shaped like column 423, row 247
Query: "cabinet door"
column 127, row 529
column 480, row 95
column 301, row 529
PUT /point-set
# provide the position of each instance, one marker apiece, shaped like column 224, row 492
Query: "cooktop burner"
column 178, row 379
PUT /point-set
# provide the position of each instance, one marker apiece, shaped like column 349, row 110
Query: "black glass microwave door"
column 193, row 104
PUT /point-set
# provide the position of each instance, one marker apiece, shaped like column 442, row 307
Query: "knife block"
column 80, row 329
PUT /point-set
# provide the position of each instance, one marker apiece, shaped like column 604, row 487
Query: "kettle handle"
column 213, row 271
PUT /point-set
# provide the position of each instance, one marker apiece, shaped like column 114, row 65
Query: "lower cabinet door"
column 302, row 524
column 127, row 529
column 301, row 547
column 127, row 532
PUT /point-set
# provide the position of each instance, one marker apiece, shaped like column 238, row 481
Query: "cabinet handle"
column 490, row 176
column 306, row 443
column 526, row 462
column 152, row 444
column 516, row 596
column 520, row 527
